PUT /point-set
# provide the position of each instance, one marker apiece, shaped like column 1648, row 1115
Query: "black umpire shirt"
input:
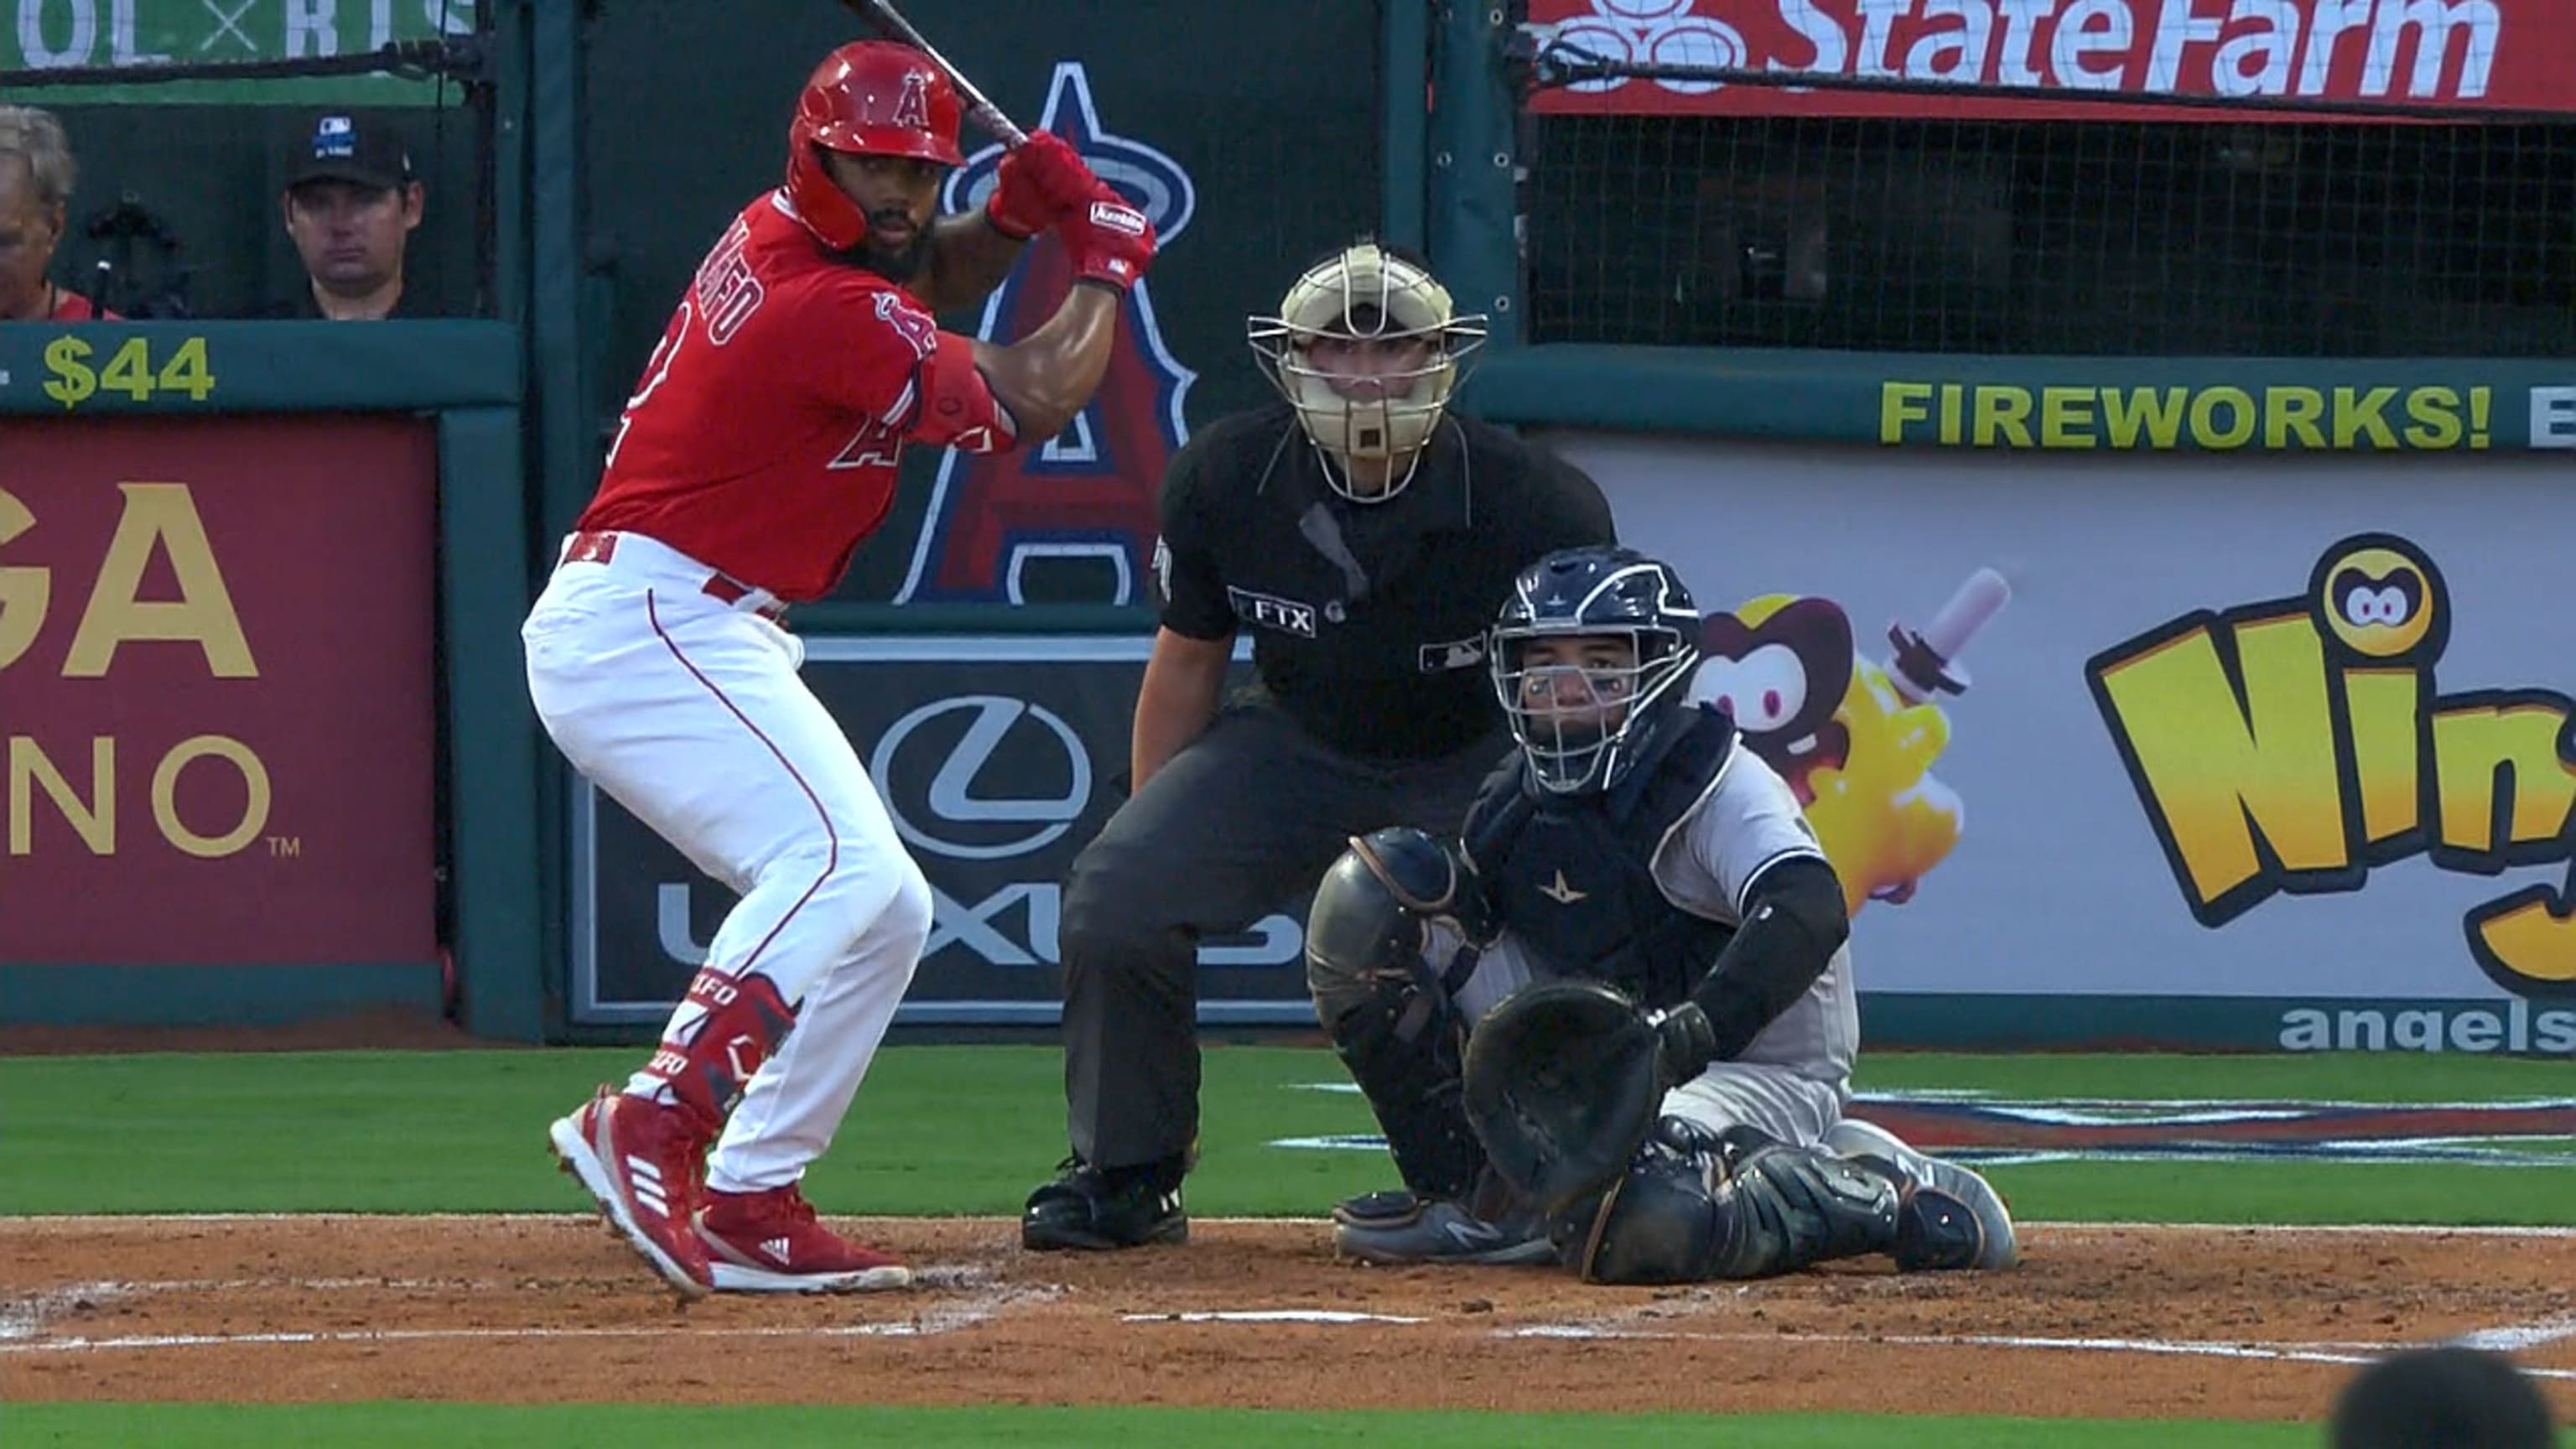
column 1368, row 619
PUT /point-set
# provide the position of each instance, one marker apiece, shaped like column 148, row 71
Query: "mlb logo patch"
column 1464, row 653
column 335, row 137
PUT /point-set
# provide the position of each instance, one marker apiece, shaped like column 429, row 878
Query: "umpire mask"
column 1590, row 656
column 1367, row 348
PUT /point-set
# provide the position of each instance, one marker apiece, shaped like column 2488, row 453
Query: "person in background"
column 351, row 204
column 2444, row 1397
column 36, row 176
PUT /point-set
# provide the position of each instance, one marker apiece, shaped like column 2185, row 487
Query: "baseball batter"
column 1629, row 839
column 756, row 454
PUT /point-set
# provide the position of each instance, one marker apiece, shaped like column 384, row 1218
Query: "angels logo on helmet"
column 868, row 98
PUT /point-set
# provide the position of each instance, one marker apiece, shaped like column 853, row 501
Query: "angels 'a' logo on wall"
column 1080, row 504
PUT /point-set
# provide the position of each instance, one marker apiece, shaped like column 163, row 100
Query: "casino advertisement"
column 998, row 758
column 2280, row 752
column 216, row 716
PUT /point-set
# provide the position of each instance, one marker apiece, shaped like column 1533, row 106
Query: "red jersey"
column 763, row 438
column 73, row 307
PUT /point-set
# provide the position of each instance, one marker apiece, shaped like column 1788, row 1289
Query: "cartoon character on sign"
column 2298, row 744
column 1854, row 737
column 1090, row 493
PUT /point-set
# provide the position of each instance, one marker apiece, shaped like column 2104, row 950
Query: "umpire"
column 1365, row 534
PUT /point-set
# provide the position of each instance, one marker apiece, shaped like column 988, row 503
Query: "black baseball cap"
column 344, row 146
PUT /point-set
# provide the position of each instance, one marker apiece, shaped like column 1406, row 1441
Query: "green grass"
column 2316, row 1076
column 960, row 1130
column 968, row 1130
column 469, row 1426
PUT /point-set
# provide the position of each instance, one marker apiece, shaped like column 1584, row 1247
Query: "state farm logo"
column 2431, row 50
column 1655, row 32
column 982, row 777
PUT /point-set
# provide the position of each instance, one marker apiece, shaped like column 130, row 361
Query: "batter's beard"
column 897, row 265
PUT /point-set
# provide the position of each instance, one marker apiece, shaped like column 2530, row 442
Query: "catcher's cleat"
column 1399, row 1227
column 1090, row 1209
column 1953, row 1217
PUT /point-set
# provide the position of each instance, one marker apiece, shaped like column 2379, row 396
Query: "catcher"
column 1651, row 949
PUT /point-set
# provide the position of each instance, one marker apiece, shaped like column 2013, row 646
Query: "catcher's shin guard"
column 1695, row 1207
column 1393, row 1027
column 1950, row 1217
column 1402, row 1049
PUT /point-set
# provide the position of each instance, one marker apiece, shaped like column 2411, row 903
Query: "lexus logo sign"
column 1014, row 778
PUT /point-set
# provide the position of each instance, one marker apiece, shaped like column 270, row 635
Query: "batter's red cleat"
column 769, row 1242
column 639, row 1159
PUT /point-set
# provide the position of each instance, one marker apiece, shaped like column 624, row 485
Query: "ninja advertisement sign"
column 2266, row 754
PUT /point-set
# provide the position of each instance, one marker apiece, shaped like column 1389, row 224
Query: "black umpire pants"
column 1248, row 815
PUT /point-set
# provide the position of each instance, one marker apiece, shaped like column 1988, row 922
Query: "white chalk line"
column 2338, row 1353
column 1269, row 1315
column 2331, row 1353
column 427, row 1335
column 22, row 1321
column 591, row 1219
column 2521, row 1336
column 23, row 1318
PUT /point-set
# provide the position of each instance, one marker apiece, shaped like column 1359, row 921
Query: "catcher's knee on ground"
column 1695, row 1207
column 1955, row 1217
column 1391, row 1024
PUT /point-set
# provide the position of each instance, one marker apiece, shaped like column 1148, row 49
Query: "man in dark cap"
column 352, row 201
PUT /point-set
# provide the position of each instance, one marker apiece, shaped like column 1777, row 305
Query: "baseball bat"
column 885, row 18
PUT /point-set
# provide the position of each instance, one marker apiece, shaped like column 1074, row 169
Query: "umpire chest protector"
column 1572, row 878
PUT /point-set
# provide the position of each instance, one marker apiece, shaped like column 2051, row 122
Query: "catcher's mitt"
column 1563, row 1081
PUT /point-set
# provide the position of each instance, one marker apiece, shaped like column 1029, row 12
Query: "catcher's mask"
column 1367, row 348
column 1589, row 658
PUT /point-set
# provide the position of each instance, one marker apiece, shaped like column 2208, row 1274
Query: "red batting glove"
column 1040, row 182
column 1108, row 240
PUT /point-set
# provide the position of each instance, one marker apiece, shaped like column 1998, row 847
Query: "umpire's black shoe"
column 1088, row 1208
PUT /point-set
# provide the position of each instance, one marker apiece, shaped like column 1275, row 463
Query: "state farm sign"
column 2506, row 54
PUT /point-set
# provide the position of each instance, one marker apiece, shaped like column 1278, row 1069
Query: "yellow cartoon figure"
column 1854, row 738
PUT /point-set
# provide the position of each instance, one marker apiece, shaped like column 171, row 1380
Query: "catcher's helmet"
column 1591, row 742
column 868, row 98
column 1368, row 293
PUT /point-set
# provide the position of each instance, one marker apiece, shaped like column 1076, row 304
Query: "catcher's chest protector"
column 1570, row 879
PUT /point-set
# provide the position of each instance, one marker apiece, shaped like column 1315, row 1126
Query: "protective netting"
column 183, row 122
column 2270, row 228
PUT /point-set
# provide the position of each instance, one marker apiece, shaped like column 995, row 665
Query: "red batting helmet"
column 868, row 98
